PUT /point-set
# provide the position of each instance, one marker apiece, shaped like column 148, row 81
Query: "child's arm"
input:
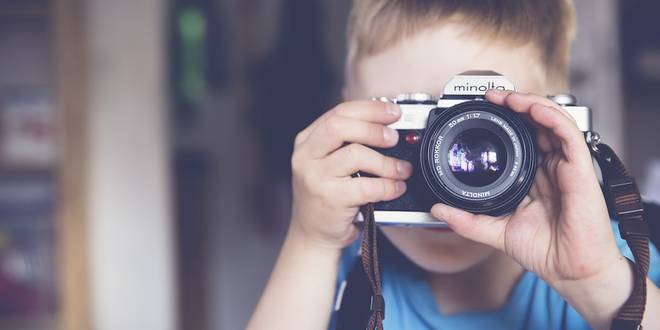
column 561, row 231
column 300, row 291
column 326, row 198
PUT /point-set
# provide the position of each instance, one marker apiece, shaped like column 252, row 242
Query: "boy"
column 552, row 263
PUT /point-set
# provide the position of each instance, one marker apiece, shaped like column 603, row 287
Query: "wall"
column 131, row 246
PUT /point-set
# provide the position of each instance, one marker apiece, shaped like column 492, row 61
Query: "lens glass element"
column 477, row 157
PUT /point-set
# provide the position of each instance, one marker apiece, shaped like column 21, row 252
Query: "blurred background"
column 144, row 146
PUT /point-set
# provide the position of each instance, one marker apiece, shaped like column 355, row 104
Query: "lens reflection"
column 477, row 157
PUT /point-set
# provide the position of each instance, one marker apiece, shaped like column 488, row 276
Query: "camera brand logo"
column 482, row 88
column 476, row 84
column 476, row 194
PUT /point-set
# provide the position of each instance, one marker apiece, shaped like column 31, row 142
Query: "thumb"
column 476, row 227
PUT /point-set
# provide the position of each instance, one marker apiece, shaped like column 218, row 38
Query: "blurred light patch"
column 192, row 33
column 649, row 64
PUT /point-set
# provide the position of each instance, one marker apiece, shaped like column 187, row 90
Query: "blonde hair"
column 376, row 25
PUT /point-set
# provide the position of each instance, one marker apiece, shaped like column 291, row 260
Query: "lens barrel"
column 479, row 157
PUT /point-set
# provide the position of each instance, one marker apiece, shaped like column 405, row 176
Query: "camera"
column 466, row 152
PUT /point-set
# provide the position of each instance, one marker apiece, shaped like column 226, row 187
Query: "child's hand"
column 325, row 196
column 325, row 201
column 561, row 231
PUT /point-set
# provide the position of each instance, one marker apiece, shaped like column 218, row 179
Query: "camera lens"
column 477, row 157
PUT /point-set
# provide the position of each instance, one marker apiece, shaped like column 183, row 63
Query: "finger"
column 544, row 140
column 497, row 96
column 371, row 111
column 355, row 157
column 479, row 228
column 564, row 130
column 521, row 102
column 337, row 130
column 359, row 191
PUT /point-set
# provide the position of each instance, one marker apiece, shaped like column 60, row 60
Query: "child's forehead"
column 425, row 61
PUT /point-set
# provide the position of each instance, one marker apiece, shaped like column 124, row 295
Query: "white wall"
column 131, row 258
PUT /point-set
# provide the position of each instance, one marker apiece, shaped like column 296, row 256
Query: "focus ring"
column 443, row 186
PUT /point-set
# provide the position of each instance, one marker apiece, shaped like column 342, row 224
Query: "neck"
column 486, row 286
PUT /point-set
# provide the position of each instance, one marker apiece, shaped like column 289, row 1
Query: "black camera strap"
column 624, row 204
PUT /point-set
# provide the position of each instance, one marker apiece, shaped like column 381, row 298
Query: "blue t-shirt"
column 533, row 303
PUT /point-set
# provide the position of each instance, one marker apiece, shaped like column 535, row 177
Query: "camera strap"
column 624, row 204
column 371, row 267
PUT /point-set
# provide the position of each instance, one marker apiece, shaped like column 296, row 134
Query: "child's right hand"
column 326, row 153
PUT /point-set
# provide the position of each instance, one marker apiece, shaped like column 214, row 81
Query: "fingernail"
column 400, row 186
column 403, row 167
column 389, row 134
column 392, row 109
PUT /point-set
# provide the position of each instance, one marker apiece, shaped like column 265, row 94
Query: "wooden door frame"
column 70, row 79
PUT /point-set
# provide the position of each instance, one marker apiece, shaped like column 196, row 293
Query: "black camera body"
column 465, row 151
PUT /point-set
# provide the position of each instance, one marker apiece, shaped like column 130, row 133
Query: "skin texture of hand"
column 326, row 155
column 561, row 231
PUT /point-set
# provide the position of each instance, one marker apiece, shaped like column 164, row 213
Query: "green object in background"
column 192, row 33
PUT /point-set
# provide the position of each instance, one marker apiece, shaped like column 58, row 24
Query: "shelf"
column 26, row 172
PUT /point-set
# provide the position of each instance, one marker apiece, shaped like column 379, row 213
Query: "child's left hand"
column 561, row 231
